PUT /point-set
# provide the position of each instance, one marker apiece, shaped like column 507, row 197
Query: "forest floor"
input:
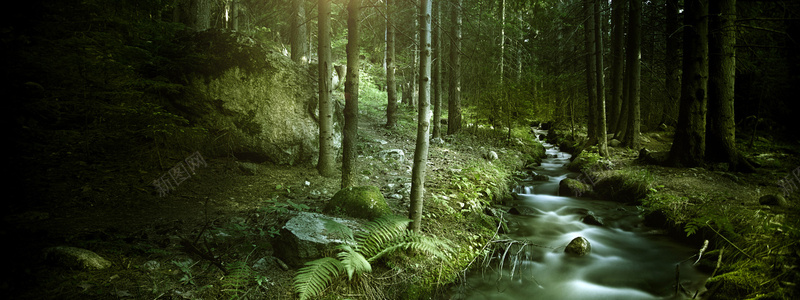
column 238, row 208
column 229, row 211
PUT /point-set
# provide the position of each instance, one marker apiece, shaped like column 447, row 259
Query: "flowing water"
column 627, row 261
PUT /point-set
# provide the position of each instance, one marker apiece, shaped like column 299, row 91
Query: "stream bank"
column 756, row 239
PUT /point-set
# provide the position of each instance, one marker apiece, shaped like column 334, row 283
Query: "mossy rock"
column 732, row 285
column 584, row 160
column 571, row 187
column 625, row 187
column 75, row 258
column 365, row 202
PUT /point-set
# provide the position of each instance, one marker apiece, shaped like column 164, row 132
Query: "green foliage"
column 384, row 236
column 316, row 276
column 624, row 186
column 186, row 270
column 239, row 276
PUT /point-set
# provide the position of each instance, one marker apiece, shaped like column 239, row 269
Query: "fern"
column 353, row 261
column 311, row 280
column 239, row 276
column 381, row 237
column 380, row 232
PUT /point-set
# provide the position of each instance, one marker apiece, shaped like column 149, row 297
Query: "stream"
column 627, row 261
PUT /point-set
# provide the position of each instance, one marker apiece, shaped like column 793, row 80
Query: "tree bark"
column 721, row 127
column 454, row 102
column 617, row 62
column 502, row 41
column 350, row 136
column 634, row 51
column 688, row 147
column 297, row 36
column 423, row 119
column 600, row 115
column 391, row 82
column 591, row 73
column 201, row 10
column 235, row 15
column 672, row 61
column 436, row 36
column 327, row 159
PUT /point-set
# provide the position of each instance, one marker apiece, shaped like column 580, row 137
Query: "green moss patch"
column 365, row 202
column 623, row 186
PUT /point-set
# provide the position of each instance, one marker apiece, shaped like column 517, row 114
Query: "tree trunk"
column 391, row 82
column 721, row 127
column 454, row 102
column 423, row 119
column 235, row 15
column 502, row 41
column 688, row 147
column 591, row 73
column 201, row 10
column 325, row 166
column 437, row 69
column 298, row 39
column 600, row 115
column 350, row 136
column 672, row 61
column 634, row 51
column 617, row 62
column 415, row 71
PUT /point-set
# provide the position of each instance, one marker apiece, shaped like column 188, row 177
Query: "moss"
column 572, row 187
column 584, row 160
column 626, row 187
column 732, row 285
column 365, row 202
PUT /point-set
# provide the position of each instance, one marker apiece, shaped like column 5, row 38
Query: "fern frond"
column 337, row 227
column 380, row 232
column 353, row 261
column 413, row 241
column 239, row 276
column 317, row 275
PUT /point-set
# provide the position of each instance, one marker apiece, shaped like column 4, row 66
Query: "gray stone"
column 306, row 237
column 524, row 211
column 592, row 219
column 614, row 143
column 579, row 246
column 392, row 155
column 539, row 177
column 75, row 258
column 490, row 155
column 773, row 200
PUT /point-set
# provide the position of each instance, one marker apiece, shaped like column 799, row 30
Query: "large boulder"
column 572, row 187
column 75, row 258
column 364, row 202
column 773, row 200
column 579, row 246
column 260, row 103
column 308, row 236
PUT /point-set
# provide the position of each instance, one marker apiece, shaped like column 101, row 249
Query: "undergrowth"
column 382, row 237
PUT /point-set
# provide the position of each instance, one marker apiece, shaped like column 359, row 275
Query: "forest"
column 402, row 149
